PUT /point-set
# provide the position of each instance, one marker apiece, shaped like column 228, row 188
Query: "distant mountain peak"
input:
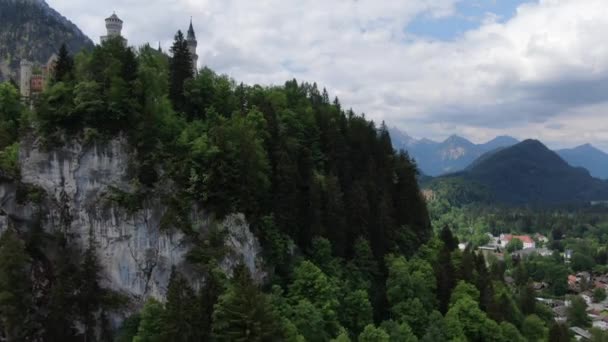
column 589, row 157
column 533, row 143
column 530, row 173
column 456, row 138
column 451, row 155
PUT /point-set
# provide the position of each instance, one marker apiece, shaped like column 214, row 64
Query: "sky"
column 432, row 68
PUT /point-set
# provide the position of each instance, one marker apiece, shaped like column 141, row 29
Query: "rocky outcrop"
column 135, row 254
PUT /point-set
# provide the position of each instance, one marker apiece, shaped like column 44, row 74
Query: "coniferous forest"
column 345, row 231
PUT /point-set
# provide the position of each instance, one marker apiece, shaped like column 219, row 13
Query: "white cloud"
column 545, row 67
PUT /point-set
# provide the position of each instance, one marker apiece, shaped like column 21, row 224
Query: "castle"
column 33, row 77
column 114, row 30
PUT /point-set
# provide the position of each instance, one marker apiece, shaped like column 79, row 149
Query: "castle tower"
column 114, row 28
column 25, row 78
column 192, row 43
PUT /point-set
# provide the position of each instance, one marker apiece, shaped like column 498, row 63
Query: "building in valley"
column 527, row 241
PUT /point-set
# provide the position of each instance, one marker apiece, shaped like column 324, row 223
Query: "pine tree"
column 244, row 313
column 559, row 333
column 180, row 69
column 181, row 311
column 151, row 323
column 446, row 278
column 449, row 240
column 207, row 299
column 527, row 299
column 90, row 293
column 64, row 66
column 62, row 304
column 15, row 287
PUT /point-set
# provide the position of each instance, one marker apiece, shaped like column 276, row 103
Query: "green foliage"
column 181, row 316
column 151, row 322
column 343, row 337
column 598, row 335
column 559, row 333
column 373, row 334
column 577, row 313
column 277, row 245
column 510, row 333
column 9, row 161
column 128, row 329
column 464, row 290
column 131, row 202
column 599, row 295
column 11, row 111
column 467, row 318
column 399, row 332
column 515, row 245
column 437, row 330
column 15, row 288
column 244, row 313
column 410, row 289
column 180, row 70
column 356, row 311
column 64, row 65
column 533, row 328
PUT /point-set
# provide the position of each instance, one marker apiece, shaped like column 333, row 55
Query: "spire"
column 191, row 35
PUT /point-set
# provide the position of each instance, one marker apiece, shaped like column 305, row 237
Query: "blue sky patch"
column 470, row 14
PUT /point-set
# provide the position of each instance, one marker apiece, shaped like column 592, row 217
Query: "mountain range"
column 457, row 154
column 452, row 155
column 589, row 157
column 530, row 173
column 32, row 30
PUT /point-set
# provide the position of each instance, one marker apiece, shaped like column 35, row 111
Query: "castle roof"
column 191, row 35
column 113, row 17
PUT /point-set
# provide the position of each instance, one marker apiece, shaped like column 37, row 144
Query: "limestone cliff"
column 136, row 255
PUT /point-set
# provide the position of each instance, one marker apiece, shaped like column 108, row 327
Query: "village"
column 591, row 287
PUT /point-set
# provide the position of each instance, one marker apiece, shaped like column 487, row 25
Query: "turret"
column 192, row 44
column 25, row 78
column 114, row 28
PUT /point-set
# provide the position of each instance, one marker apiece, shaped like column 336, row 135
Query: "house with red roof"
column 525, row 239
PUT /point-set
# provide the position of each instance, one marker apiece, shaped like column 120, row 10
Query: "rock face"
column 136, row 256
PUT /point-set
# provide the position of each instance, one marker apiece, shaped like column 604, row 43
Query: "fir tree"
column 559, row 333
column 151, row 323
column 181, row 311
column 64, row 66
column 446, row 278
column 244, row 313
column 90, row 293
column 15, row 287
column 180, row 69
column 62, row 309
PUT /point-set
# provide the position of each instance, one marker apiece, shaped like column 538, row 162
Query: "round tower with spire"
column 192, row 43
column 114, row 28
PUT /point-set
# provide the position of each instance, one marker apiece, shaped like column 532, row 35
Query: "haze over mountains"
column 452, row 155
column 589, row 157
column 530, row 173
column 457, row 153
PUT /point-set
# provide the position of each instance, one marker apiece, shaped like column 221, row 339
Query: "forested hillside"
column 30, row 29
column 322, row 187
column 347, row 240
column 530, row 174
